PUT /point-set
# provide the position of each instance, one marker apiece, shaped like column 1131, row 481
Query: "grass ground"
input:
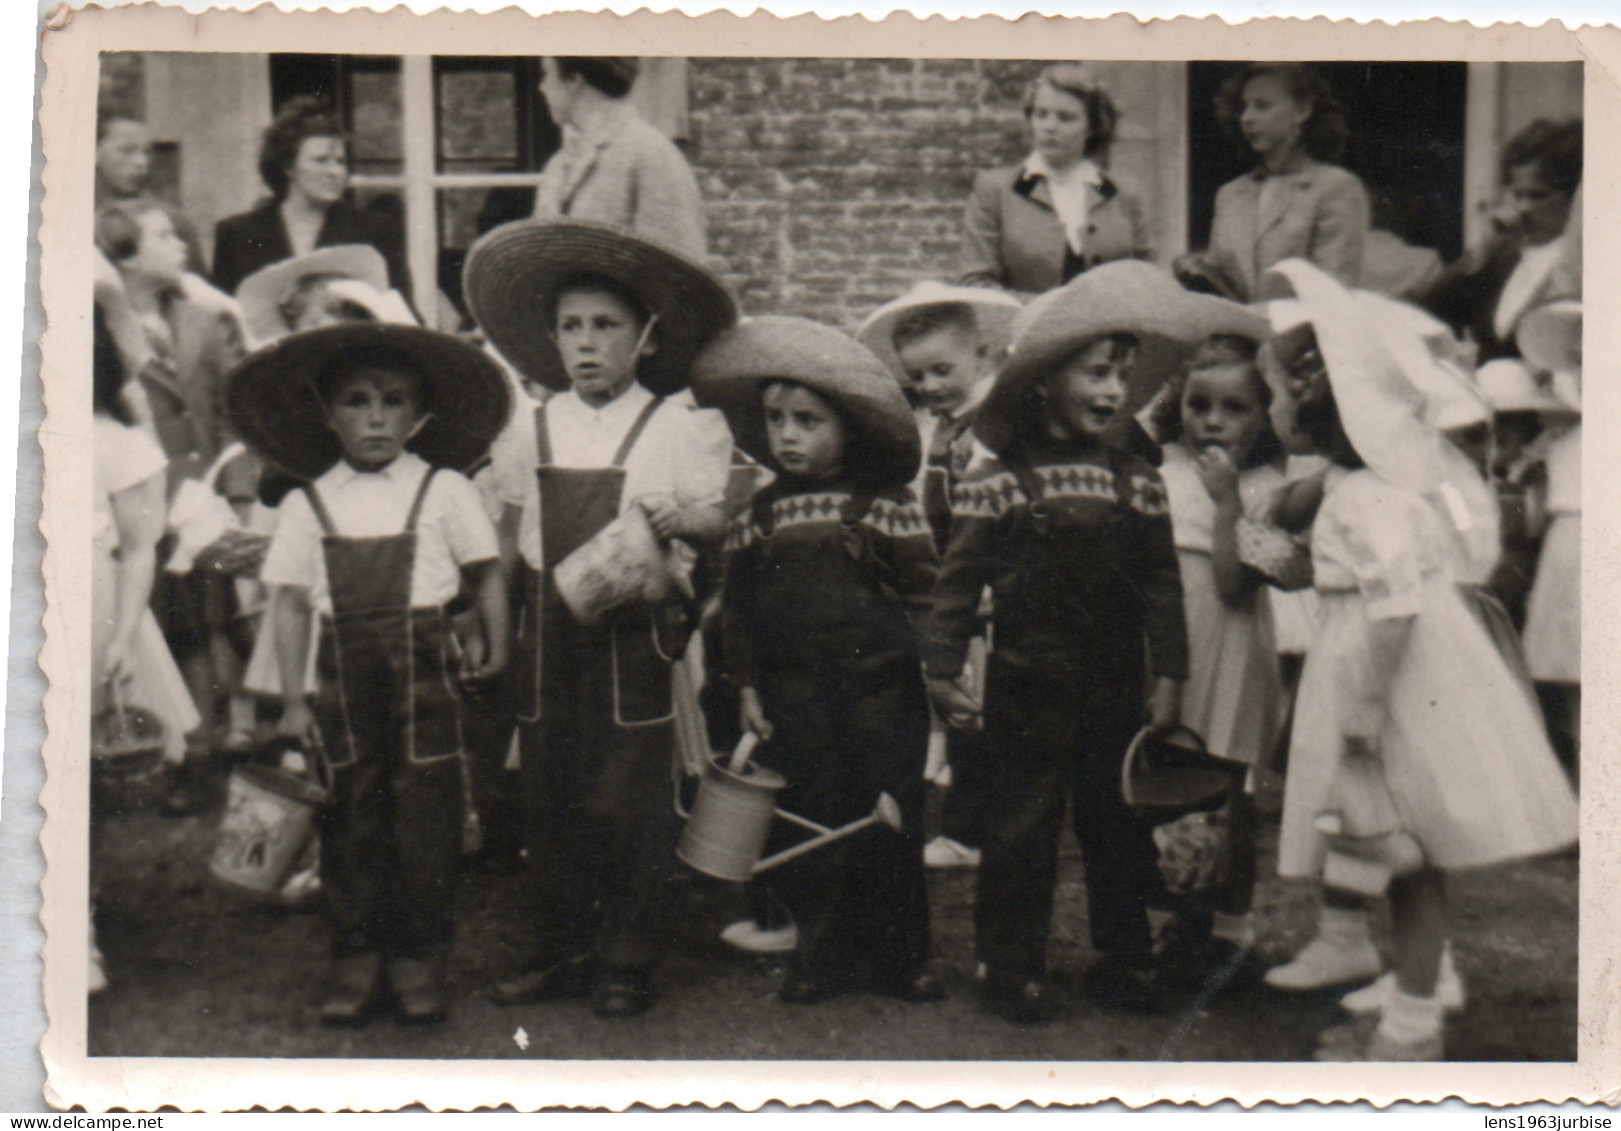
column 199, row 970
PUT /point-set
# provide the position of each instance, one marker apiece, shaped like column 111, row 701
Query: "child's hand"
column 959, row 709
column 662, row 515
column 1164, row 705
column 752, row 714
column 1219, row 475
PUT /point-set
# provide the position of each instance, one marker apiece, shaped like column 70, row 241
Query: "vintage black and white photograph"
column 720, row 558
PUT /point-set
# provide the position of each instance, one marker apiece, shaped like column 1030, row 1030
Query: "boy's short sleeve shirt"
column 684, row 451
column 453, row 529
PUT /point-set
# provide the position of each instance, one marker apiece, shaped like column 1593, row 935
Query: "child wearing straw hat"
column 826, row 573
column 943, row 343
column 381, row 538
column 1073, row 537
column 1411, row 756
column 611, row 323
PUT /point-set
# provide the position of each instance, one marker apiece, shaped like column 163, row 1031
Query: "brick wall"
column 834, row 184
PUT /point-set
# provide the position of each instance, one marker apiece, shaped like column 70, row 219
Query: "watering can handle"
column 1133, row 752
column 745, row 747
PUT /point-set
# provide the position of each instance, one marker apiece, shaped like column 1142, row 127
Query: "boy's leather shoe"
column 352, row 989
column 1124, row 984
column 918, row 987
column 419, row 989
column 572, row 977
column 1016, row 1000
column 623, row 992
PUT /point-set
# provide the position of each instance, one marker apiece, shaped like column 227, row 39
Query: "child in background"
column 378, row 542
column 1520, row 411
column 943, row 343
column 1074, row 538
column 1222, row 464
column 826, row 573
column 1407, row 735
column 1550, row 337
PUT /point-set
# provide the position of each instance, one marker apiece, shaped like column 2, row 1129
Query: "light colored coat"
column 1323, row 217
column 1012, row 236
column 629, row 175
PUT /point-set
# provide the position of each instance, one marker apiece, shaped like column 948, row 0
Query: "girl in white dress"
column 130, row 662
column 1408, row 730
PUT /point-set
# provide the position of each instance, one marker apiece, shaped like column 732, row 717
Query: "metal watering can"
column 731, row 819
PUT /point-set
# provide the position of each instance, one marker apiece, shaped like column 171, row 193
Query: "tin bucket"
column 268, row 813
column 622, row 565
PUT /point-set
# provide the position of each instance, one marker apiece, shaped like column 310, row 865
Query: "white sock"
column 1410, row 1019
column 1345, row 925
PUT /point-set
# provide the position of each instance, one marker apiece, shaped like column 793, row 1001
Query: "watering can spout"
column 886, row 812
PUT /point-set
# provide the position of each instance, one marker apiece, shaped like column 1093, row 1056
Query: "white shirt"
column 685, row 452
column 452, row 529
column 1072, row 194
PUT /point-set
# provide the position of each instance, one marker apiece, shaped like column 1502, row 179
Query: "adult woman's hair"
column 613, row 75
column 1078, row 81
column 1554, row 148
column 300, row 119
column 107, row 374
column 1034, row 225
column 1324, row 134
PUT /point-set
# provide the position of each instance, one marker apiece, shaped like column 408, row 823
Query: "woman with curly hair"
column 304, row 161
column 1035, row 225
column 1296, row 202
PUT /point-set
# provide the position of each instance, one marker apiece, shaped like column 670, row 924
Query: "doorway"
column 1407, row 145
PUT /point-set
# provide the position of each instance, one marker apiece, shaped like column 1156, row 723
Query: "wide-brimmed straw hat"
column 1380, row 405
column 994, row 312
column 1550, row 340
column 274, row 404
column 1127, row 296
column 1508, row 385
column 1213, row 315
column 885, row 450
column 515, row 271
column 264, row 293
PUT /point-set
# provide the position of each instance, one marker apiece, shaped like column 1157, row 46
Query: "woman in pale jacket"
column 1035, row 225
column 614, row 167
column 1295, row 203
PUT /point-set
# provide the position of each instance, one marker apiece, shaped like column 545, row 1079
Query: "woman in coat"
column 614, row 168
column 1033, row 226
column 1295, row 203
column 304, row 161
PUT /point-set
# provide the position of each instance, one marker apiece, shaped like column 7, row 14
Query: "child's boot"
column 352, row 988
column 1342, row 952
column 419, row 989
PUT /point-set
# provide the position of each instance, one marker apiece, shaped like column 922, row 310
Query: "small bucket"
column 268, row 813
column 1166, row 777
column 126, row 742
column 730, row 822
column 623, row 564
